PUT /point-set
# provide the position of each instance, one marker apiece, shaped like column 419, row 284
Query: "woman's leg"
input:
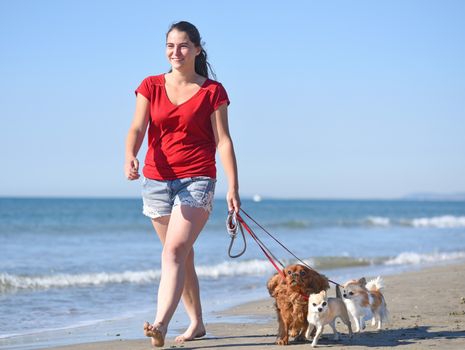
column 191, row 301
column 191, row 292
column 178, row 274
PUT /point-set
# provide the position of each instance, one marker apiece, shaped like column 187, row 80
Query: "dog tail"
column 375, row 284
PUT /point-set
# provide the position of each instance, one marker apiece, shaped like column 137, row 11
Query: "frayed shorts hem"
column 154, row 214
column 160, row 197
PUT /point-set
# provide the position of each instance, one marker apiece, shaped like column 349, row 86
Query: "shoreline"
column 427, row 309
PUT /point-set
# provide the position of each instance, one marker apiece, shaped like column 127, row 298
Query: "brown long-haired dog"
column 291, row 299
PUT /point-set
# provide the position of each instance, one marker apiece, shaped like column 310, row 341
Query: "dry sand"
column 427, row 310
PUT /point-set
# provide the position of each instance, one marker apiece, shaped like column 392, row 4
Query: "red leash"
column 231, row 221
column 264, row 249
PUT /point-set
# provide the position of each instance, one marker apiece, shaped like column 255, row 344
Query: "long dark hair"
column 202, row 67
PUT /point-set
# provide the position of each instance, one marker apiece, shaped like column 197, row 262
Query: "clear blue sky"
column 329, row 99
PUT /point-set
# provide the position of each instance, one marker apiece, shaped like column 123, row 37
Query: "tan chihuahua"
column 364, row 301
column 322, row 311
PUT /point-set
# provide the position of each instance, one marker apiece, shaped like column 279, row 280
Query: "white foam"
column 411, row 258
column 235, row 268
column 8, row 282
column 445, row 221
column 258, row 267
column 225, row 269
column 378, row 221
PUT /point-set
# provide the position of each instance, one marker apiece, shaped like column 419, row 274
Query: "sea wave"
column 10, row 283
column 292, row 224
column 413, row 258
column 445, row 221
column 377, row 221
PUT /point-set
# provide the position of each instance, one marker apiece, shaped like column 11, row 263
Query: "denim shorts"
column 160, row 196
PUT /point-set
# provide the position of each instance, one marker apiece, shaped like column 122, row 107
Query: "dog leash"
column 235, row 221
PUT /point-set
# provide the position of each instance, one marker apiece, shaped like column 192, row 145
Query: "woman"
column 187, row 120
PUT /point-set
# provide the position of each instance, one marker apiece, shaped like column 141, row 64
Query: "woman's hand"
column 131, row 169
column 135, row 137
column 233, row 200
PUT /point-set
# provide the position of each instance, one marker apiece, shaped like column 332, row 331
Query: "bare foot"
column 157, row 333
column 194, row 331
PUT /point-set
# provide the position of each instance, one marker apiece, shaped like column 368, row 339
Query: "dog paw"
column 282, row 341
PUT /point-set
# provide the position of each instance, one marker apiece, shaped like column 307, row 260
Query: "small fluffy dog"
column 364, row 301
column 322, row 311
column 291, row 299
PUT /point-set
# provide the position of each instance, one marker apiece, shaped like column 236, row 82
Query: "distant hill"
column 428, row 196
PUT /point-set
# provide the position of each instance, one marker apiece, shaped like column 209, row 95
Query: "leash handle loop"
column 232, row 225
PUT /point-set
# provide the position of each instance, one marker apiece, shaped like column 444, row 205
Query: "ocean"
column 77, row 270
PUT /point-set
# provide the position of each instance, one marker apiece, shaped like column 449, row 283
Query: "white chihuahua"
column 322, row 311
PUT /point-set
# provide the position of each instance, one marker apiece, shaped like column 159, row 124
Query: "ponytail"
column 202, row 66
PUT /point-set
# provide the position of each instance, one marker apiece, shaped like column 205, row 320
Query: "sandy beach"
column 427, row 310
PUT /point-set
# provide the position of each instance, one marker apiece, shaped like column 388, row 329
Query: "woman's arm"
column 224, row 144
column 136, row 136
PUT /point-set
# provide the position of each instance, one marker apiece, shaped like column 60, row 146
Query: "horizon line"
column 427, row 197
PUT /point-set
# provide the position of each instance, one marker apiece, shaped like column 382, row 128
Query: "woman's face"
column 180, row 51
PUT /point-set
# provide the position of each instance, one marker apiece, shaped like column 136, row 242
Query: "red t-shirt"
column 181, row 142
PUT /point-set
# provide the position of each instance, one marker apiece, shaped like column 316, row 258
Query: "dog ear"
column 317, row 282
column 323, row 293
column 362, row 281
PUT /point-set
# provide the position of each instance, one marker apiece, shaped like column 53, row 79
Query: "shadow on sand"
column 386, row 338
